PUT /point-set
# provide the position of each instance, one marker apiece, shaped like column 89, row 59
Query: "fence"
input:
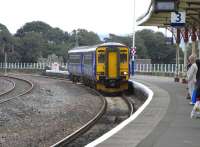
column 143, row 68
column 159, row 68
column 27, row 65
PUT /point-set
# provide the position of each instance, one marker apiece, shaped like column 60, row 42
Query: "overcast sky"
column 100, row 16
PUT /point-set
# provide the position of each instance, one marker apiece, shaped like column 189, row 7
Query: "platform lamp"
column 166, row 5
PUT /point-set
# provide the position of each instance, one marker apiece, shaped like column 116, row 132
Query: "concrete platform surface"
column 165, row 122
column 176, row 129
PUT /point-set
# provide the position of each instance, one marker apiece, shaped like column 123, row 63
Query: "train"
column 104, row 67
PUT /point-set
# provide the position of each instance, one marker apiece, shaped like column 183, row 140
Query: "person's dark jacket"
column 198, row 78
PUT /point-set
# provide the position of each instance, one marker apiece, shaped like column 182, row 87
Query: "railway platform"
column 165, row 122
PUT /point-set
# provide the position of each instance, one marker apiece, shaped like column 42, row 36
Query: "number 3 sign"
column 177, row 18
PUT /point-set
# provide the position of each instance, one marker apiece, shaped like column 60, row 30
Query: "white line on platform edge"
column 128, row 120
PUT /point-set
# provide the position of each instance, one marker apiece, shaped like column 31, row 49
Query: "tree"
column 149, row 44
column 30, row 47
column 35, row 26
column 127, row 40
column 7, row 43
column 141, row 49
column 85, row 37
column 157, row 49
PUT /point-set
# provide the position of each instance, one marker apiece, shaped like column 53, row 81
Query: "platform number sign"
column 177, row 18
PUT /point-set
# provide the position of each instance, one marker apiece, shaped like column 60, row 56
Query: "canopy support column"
column 194, row 38
column 185, row 48
column 176, row 79
column 198, row 34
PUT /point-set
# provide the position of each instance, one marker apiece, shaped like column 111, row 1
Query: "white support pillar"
column 151, row 68
column 168, row 68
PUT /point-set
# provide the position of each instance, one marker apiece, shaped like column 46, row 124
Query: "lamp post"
column 5, row 49
column 5, row 60
column 76, row 38
column 133, row 47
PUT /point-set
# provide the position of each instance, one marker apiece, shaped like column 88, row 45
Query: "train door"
column 112, row 63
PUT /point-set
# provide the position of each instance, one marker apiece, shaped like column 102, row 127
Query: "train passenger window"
column 87, row 59
column 123, row 58
column 74, row 59
column 101, row 58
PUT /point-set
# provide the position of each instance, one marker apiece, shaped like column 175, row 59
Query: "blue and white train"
column 104, row 66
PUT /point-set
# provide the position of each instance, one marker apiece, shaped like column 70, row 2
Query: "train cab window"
column 101, row 57
column 123, row 58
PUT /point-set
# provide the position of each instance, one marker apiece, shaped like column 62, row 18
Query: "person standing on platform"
column 191, row 75
column 188, row 94
column 197, row 86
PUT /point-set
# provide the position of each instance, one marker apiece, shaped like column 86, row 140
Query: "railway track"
column 20, row 87
column 78, row 133
column 130, row 104
column 7, row 89
column 68, row 139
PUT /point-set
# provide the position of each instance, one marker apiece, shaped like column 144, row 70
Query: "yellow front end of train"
column 112, row 68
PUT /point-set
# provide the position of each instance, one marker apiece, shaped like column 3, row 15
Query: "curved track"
column 9, row 89
column 130, row 104
column 78, row 133
column 68, row 139
column 21, row 87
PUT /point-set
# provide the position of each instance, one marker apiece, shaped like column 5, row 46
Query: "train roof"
column 111, row 44
column 93, row 48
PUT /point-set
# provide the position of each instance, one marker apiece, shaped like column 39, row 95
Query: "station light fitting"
column 166, row 5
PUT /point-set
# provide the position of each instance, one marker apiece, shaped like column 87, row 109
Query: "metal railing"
column 27, row 65
column 159, row 68
column 140, row 68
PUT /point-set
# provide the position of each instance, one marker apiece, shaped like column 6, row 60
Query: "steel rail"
column 18, row 95
column 9, row 90
column 129, row 103
column 76, row 134
column 68, row 139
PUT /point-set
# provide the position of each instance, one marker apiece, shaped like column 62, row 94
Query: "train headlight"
column 125, row 73
column 100, row 73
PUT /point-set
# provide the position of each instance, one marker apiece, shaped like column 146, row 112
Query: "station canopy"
column 155, row 17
